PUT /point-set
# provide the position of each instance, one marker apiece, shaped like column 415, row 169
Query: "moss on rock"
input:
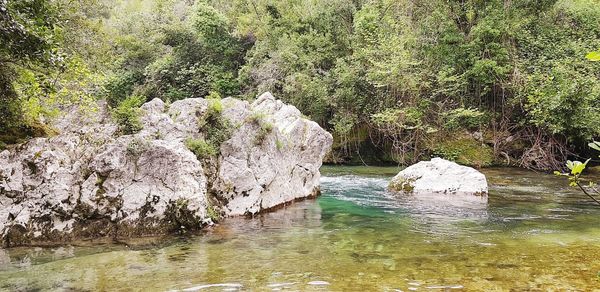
column 405, row 185
column 465, row 150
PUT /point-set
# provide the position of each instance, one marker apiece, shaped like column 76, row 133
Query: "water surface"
column 535, row 234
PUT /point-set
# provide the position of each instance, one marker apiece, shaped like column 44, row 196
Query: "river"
column 535, row 234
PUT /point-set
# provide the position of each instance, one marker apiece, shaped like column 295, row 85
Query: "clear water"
column 535, row 234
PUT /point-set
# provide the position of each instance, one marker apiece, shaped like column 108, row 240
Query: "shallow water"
column 535, row 234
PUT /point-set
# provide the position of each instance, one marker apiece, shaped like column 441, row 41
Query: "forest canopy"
column 479, row 82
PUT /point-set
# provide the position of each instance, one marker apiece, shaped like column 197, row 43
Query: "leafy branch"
column 575, row 176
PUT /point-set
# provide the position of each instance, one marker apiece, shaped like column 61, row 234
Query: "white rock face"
column 89, row 182
column 442, row 180
column 146, row 177
column 272, row 158
column 94, row 186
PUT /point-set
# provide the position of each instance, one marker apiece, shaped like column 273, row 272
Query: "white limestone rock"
column 89, row 182
column 146, row 177
column 441, row 180
column 272, row 158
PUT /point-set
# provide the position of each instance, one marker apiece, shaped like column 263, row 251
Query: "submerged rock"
column 441, row 179
column 318, row 283
column 89, row 182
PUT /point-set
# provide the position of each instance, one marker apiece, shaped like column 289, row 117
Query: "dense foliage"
column 480, row 82
column 27, row 31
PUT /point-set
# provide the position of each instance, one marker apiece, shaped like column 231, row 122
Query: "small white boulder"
column 440, row 177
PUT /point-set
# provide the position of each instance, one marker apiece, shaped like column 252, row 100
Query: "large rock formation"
column 90, row 182
column 441, row 180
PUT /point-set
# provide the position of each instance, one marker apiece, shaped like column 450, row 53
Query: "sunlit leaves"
column 576, row 167
column 588, row 187
column 593, row 56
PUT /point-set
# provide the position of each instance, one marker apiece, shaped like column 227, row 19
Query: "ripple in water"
column 534, row 234
column 429, row 214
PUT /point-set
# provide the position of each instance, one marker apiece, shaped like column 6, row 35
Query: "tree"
column 28, row 33
column 169, row 56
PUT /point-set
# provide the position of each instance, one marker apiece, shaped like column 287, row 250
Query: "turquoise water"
column 535, row 234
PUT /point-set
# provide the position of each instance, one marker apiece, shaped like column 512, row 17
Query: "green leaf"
column 569, row 164
column 593, row 56
column 595, row 145
column 578, row 167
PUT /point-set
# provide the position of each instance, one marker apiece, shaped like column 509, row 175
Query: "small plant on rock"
column 279, row 144
column 137, row 146
column 212, row 213
column 181, row 218
column 215, row 127
column 127, row 115
column 213, row 95
column 256, row 117
column 265, row 127
column 215, row 106
column 201, row 148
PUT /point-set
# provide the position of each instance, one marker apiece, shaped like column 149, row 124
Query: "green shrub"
column 344, row 123
column 448, row 153
column 564, row 101
column 122, row 85
column 406, row 118
column 216, row 129
column 213, row 95
column 201, row 148
column 215, row 106
column 256, row 117
column 212, row 116
column 464, row 118
column 278, row 144
column 127, row 115
column 265, row 129
column 212, row 213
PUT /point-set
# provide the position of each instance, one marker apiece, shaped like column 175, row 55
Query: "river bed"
column 535, row 234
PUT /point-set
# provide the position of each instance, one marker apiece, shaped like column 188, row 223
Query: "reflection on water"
column 534, row 234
